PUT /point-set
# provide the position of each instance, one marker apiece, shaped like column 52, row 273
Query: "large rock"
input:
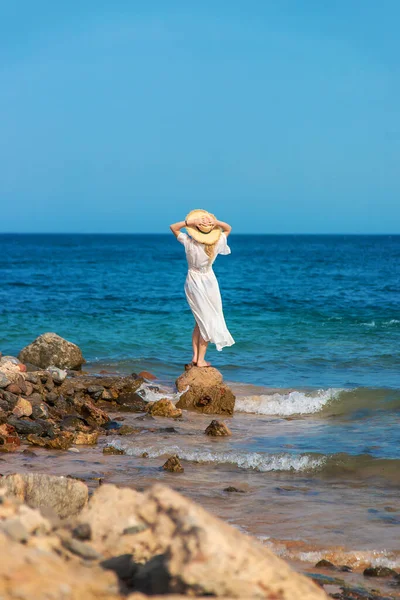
column 185, row 550
column 199, row 376
column 207, row 393
column 50, row 349
column 164, row 408
column 36, row 573
column 66, row 497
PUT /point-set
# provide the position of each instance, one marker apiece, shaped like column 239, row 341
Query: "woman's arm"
column 176, row 227
column 224, row 226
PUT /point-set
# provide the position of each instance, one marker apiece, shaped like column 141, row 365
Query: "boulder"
column 217, row 428
column 185, row 550
column 164, row 408
column 207, row 393
column 49, row 350
column 66, row 497
column 199, row 377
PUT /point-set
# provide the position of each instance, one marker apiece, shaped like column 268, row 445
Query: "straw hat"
column 207, row 235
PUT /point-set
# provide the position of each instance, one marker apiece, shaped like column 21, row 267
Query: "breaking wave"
column 291, row 403
column 337, row 466
column 330, row 402
column 246, row 460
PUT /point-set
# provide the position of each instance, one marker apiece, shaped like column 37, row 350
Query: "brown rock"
column 128, row 430
column 173, row 464
column 93, row 414
column 88, row 439
column 50, row 349
column 28, row 388
column 23, row 408
column 9, row 443
column 14, row 389
column 207, row 393
column 66, row 497
column 6, row 429
column 109, row 395
column 218, row 400
column 232, row 489
column 164, row 408
column 112, row 450
column 200, row 377
column 147, row 375
column 63, row 441
column 131, row 401
column 379, row 572
column 217, row 428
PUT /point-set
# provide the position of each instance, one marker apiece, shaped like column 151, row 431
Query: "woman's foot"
column 202, row 364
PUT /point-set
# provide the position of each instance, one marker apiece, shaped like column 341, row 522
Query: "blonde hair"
column 210, row 250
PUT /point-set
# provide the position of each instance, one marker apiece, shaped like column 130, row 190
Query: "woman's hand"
column 206, row 221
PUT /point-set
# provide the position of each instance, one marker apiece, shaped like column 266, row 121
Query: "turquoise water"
column 315, row 368
column 319, row 311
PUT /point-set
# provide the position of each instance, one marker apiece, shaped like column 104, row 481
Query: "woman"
column 207, row 239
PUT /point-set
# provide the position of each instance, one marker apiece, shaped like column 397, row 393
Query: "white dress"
column 202, row 291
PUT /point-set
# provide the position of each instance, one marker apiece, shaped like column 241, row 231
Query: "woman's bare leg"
column 202, row 349
column 195, row 343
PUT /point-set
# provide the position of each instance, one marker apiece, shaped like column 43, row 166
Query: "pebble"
column 112, row 450
column 231, row 488
column 379, row 572
column 325, row 564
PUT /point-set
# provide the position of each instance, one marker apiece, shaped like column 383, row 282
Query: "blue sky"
column 122, row 116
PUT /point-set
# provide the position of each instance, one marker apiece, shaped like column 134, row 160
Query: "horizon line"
column 167, row 233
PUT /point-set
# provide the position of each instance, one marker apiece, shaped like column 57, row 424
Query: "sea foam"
column 243, row 460
column 292, row 403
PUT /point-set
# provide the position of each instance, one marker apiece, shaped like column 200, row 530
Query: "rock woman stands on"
column 207, row 238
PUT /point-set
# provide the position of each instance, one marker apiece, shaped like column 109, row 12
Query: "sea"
column 315, row 445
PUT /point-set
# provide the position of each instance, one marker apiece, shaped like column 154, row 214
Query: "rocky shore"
column 122, row 541
column 58, row 540
column 49, row 403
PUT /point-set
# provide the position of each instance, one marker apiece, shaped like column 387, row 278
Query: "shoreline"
column 95, row 398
